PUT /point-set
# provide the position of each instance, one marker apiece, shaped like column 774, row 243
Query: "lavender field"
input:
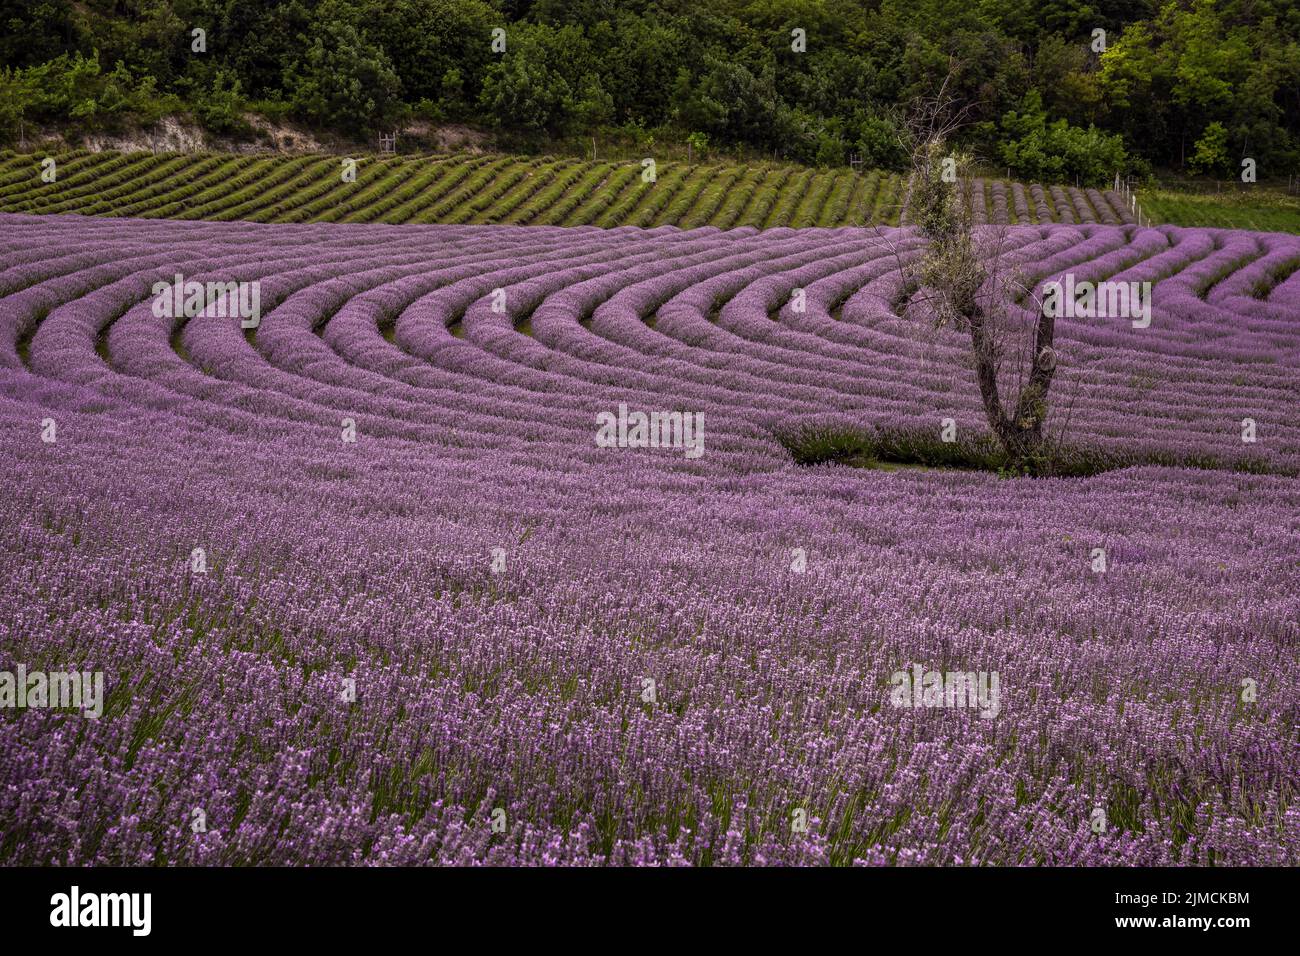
column 366, row 587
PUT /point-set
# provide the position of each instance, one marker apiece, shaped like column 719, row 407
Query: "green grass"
column 1261, row 208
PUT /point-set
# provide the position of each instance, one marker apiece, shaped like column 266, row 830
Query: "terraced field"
column 367, row 587
column 460, row 189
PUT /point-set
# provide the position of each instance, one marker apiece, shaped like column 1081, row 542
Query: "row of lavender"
column 472, row 635
column 994, row 202
column 497, row 336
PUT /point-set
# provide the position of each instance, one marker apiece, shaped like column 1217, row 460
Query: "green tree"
column 342, row 79
column 426, row 40
column 35, row 31
column 538, row 81
column 220, row 108
column 592, row 107
column 1056, row 151
column 1211, row 153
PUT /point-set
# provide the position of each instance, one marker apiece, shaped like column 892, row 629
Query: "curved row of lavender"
column 473, row 635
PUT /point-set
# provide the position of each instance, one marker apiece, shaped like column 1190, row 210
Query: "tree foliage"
column 1056, row 151
column 1042, row 96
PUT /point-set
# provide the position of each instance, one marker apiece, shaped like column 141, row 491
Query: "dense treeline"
column 1190, row 84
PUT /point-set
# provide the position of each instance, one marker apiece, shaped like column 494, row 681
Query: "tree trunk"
column 1021, row 433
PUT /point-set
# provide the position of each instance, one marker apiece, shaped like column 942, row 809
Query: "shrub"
column 220, row 108
column 1059, row 152
column 865, row 447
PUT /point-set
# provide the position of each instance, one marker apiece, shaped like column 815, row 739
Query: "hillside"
column 515, row 190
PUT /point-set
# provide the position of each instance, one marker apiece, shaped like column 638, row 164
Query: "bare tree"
column 962, row 275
